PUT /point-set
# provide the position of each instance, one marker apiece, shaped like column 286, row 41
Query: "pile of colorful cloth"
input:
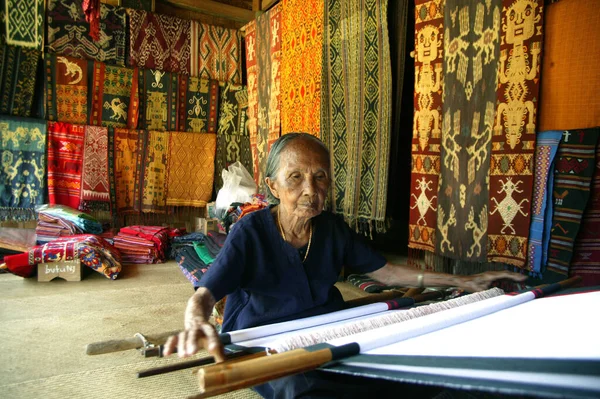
column 196, row 252
column 182, row 241
column 238, row 210
column 144, row 244
column 90, row 249
column 55, row 221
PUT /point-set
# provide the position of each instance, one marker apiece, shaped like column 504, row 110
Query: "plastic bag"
column 238, row 186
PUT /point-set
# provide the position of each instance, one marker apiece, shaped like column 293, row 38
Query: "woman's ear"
column 271, row 184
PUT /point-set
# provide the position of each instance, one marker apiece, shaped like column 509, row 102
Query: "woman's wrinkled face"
column 303, row 178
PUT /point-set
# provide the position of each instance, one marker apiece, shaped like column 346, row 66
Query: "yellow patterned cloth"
column 301, row 62
column 191, row 168
column 154, row 168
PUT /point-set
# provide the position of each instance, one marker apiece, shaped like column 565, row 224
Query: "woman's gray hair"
column 277, row 148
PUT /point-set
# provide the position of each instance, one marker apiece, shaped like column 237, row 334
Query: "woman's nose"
column 310, row 186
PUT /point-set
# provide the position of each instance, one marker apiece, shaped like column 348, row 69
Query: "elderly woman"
column 282, row 262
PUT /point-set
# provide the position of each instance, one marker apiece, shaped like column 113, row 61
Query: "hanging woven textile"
column 233, row 142
column 574, row 168
column 356, row 109
column 67, row 82
column 198, row 104
column 159, row 42
column 569, row 83
column 23, row 172
column 22, row 23
column 95, row 186
column 154, row 172
column 69, row 33
column 219, row 54
column 541, row 215
column 18, row 68
column 65, row 162
column 115, row 101
column 128, row 150
column 301, row 63
column 191, row 168
column 158, row 100
column 586, row 256
column 263, row 55
column 427, row 125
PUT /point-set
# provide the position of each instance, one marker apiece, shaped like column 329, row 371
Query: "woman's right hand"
column 198, row 333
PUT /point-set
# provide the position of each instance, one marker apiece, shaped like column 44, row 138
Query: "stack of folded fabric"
column 214, row 242
column 55, row 221
column 91, row 250
column 182, row 241
column 190, row 264
column 203, row 253
column 142, row 244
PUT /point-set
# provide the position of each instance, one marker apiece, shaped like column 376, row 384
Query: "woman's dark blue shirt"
column 265, row 279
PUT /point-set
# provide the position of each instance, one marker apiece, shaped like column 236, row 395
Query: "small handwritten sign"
column 69, row 270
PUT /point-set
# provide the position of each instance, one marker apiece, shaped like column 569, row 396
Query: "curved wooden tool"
column 136, row 342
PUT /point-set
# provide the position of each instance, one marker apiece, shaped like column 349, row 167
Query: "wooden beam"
column 266, row 4
column 215, row 8
column 256, row 6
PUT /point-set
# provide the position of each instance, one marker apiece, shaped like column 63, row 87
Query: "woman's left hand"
column 482, row 281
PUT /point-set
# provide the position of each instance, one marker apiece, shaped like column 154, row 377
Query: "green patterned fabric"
column 158, row 100
column 22, row 23
column 23, row 171
column 356, row 109
column 198, row 104
column 18, row 67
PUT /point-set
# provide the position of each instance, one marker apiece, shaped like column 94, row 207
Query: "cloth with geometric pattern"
column 198, row 104
column 470, row 70
column 301, row 63
column 263, row 55
column 191, row 168
column 69, row 33
column 114, row 96
column 571, row 65
column 219, row 54
column 154, row 170
column 159, row 42
column 586, row 256
column 233, row 142
column 65, row 163
column 18, row 68
column 158, row 100
column 95, row 189
column 574, row 168
column 127, row 165
column 147, row 5
column 23, row 168
column 356, row 109
column 22, row 23
column 67, row 82
column 513, row 141
column 427, row 123
column 545, row 151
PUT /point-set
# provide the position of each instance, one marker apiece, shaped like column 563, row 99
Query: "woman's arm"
column 407, row 276
column 197, row 328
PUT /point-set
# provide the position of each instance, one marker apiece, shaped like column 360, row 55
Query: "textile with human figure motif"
column 159, row 42
column 158, row 100
column 471, row 50
column 18, row 68
column 301, row 63
column 22, row 23
column 69, row 33
column 154, row 169
column 427, row 123
column 128, row 152
column 65, row 163
column 263, row 57
column 573, row 172
column 198, row 104
column 586, row 256
column 23, row 168
column 219, row 53
column 513, row 141
column 67, row 82
column 114, row 97
column 191, row 168
column 95, row 187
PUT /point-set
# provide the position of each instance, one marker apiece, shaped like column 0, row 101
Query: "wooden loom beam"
column 215, row 8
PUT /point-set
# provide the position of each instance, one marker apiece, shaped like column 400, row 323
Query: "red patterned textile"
column 65, row 162
column 67, row 88
column 219, row 54
column 142, row 244
column 95, row 184
column 159, row 42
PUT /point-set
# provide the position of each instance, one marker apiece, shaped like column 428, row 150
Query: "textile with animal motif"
column 154, row 169
column 191, row 168
column 159, row 42
column 128, row 150
column 158, row 100
column 18, row 68
column 23, row 171
column 198, row 104
column 69, row 33
column 67, row 82
column 573, row 171
column 219, row 54
column 356, row 113
column 301, row 63
column 95, row 186
column 22, row 23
